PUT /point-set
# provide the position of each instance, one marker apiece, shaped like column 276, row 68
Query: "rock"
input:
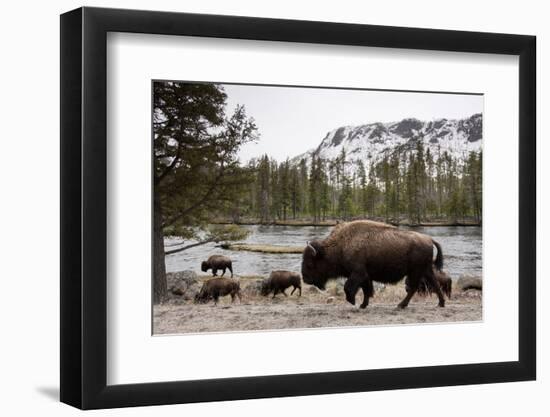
column 330, row 300
column 253, row 288
column 472, row 293
column 189, row 277
column 467, row 282
column 190, row 293
column 181, row 282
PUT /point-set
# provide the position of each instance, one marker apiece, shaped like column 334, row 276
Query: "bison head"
column 264, row 290
column 198, row 298
column 204, row 266
column 315, row 265
column 202, row 297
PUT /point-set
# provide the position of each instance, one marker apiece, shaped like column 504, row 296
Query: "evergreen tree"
column 196, row 168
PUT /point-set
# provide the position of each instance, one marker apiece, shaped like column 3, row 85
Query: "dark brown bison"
column 215, row 288
column 279, row 281
column 367, row 251
column 216, row 262
column 426, row 288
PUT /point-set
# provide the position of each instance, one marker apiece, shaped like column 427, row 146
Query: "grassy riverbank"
column 315, row 309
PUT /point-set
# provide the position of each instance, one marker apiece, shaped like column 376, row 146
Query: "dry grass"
column 313, row 310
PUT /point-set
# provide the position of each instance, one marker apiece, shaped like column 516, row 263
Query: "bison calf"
column 425, row 287
column 218, row 287
column 279, row 281
column 216, row 262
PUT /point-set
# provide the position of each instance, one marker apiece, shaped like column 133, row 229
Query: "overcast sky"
column 292, row 120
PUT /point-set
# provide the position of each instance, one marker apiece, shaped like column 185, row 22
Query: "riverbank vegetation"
column 314, row 309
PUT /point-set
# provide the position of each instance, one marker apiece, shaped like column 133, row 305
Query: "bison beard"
column 366, row 251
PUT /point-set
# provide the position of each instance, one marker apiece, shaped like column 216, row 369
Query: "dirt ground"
column 313, row 309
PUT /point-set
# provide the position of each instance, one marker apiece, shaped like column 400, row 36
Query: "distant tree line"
column 413, row 186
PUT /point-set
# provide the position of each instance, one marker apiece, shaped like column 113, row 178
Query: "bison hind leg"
column 432, row 281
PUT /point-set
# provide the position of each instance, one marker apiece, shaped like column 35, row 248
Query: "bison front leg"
column 352, row 285
column 214, row 272
column 414, row 282
column 368, row 292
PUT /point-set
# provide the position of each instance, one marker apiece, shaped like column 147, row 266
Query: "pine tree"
column 363, row 201
column 196, row 168
column 313, row 189
column 264, row 189
column 284, row 188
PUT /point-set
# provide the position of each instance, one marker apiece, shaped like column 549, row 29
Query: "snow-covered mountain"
column 371, row 142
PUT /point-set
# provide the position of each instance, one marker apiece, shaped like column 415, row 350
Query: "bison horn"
column 312, row 248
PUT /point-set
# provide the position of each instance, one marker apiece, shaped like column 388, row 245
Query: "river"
column 462, row 247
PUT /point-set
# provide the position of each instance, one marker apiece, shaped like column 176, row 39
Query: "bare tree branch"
column 202, row 242
column 174, row 244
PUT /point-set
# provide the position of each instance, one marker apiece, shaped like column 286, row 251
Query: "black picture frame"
column 84, row 207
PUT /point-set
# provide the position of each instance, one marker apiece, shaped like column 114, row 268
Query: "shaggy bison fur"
column 216, row 262
column 426, row 288
column 279, row 281
column 215, row 288
column 367, row 251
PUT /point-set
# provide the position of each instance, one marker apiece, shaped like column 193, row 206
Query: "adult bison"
column 279, row 281
column 216, row 262
column 367, row 251
column 215, row 288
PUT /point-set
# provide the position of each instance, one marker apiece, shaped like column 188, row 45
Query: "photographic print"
column 287, row 207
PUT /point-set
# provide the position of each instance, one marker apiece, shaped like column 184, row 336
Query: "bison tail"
column 439, row 258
